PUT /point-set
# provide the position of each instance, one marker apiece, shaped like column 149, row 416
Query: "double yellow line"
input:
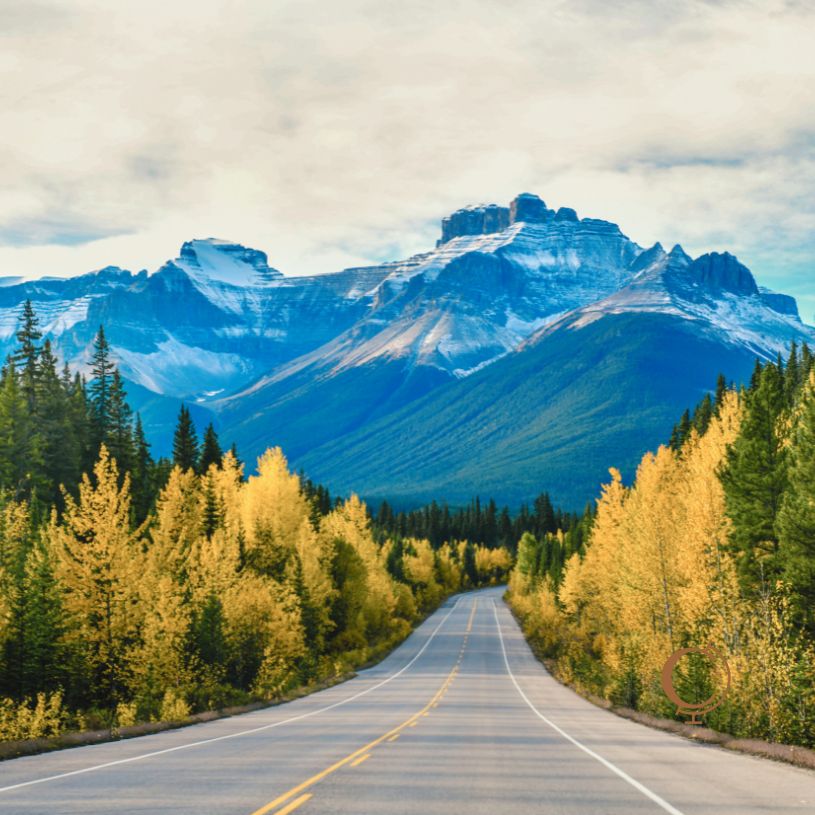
column 358, row 756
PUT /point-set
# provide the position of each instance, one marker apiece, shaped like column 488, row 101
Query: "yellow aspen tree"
column 449, row 568
column 273, row 508
column 229, row 487
column 650, row 622
column 177, row 523
column 15, row 531
column 420, row 569
column 214, row 564
column 5, row 606
column 650, row 561
column 315, row 554
column 491, row 564
column 419, row 562
column 349, row 523
column 589, row 587
column 214, row 561
column 99, row 561
column 264, row 633
column 710, row 594
column 158, row 661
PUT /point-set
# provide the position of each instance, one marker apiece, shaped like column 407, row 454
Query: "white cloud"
column 330, row 133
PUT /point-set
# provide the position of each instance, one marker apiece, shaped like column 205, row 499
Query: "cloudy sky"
column 334, row 132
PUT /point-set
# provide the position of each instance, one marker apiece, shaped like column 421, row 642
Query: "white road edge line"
column 241, row 732
column 605, row 762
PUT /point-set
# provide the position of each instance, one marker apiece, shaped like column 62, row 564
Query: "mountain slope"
column 555, row 416
column 593, row 389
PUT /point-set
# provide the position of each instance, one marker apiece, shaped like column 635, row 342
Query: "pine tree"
column 806, row 362
column 60, row 446
column 207, row 635
column 544, row 515
column 35, row 653
column 754, row 479
column 211, row 452
column 721, row 391
column 141, row 474
column 234, row 450
column 26, row 357
column 82, row 423
column 792, row 376
column 755, row 378
column 796, row 520
column 100, row 392
column 703, row 414
column 120, row 432
column 211, row 516
column 680, row 432
column 470, row 566
column 185, row 442
column 20, row 457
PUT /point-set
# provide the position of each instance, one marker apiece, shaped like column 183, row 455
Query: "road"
column 460, row 719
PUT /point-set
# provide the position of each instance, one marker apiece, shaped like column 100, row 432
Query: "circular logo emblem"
column 695, row 709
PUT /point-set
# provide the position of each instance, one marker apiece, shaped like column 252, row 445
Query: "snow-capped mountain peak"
column 715, row 291
column 225, row 262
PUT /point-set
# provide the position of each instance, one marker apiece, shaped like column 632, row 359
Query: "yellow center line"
column 349, row 759
column 356, row 762
column 294, row 804
column 394, row 737
column 472, row 615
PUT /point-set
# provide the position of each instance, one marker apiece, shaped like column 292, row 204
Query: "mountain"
column 596, row 387
column 529, row 349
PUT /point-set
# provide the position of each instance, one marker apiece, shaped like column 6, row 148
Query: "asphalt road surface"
column 460, row 720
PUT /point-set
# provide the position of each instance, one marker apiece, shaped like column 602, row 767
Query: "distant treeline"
column 484, row 524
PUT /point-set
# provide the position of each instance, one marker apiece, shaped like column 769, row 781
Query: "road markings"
column 352, row 757
column 605, row 762
column 470, row 621
column 357, row 761
column 248, row 732
column 294, row 804
column 394, row 737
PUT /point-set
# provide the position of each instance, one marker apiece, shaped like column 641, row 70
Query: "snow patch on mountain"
column 226, row 273
column 177, row 369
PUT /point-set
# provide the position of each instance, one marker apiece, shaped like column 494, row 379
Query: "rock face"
column 566, row 214
column 480, row 220
column 782, row 303
column 722, row 272
column 528, row 208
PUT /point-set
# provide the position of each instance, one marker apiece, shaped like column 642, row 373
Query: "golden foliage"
column 658, row 574
column 31, row 718
column 98, row 560
column 232, row 589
